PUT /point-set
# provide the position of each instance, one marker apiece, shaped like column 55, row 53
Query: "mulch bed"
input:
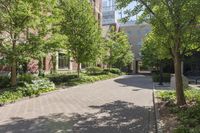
column 169, row 121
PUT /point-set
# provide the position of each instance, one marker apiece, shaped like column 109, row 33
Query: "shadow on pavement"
column 138, row 81
column 115, row 117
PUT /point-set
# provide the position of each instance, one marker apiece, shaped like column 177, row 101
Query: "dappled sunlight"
column 115, row 117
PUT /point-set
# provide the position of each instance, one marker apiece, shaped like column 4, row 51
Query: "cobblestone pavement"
column 121, row 105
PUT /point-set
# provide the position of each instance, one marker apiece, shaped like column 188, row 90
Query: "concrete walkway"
column 122, row 105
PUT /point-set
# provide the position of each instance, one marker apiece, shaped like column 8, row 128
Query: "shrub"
column 4, row 81
column 38, row 86
column 94, row 70
column 71, row 80
column 166, row 77
column 88, row 79
column 190, row 119
column 28, row 78
column 113, row 70
column 29, row 89
column 61, row 78
column 192, row 95
column 10, row 96
column 166, row 95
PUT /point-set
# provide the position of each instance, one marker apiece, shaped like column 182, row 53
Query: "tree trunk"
column 54, row 62
column 14, row 73
column 41, row 66
column 78, row 69
column 161, row 74
column 14, row 66
column 179, row 81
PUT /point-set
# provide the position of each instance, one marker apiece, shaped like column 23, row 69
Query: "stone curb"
column 157, row 114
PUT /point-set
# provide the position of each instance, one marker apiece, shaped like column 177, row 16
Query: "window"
column 63, row 61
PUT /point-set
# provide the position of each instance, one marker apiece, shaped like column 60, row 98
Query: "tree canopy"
column 82, row 29
column 24, row 26
column 153, row 50
column 175, row 20
column 119, row 53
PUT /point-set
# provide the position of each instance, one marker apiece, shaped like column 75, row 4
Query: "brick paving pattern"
column 121, row 105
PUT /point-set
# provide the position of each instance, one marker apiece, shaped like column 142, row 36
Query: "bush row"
column 98, row 70
column 190, row 94
column 57, row 78
column 71, row 80
column 86, row 78
column 156, row 77
column 30, row 85
column 61, row 78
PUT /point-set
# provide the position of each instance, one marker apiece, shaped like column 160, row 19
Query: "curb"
column 158, row 124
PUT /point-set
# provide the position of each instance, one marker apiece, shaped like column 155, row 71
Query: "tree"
column 16, row 18
column 54, row 44
column 82, row 29
column 153, row 50
column 25, row 27
column 175, row 20
column 119, row 49
column 154, row 53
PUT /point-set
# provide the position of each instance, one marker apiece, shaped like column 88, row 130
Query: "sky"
column 130, row 6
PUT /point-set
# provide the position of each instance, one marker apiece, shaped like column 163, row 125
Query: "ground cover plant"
column 91, row 75
column 29, row 85
column 26, row 89
column 188, row 117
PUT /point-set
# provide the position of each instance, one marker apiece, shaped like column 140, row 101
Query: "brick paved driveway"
column 122, row 105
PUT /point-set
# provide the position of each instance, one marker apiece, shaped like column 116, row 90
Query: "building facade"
column 97, row 7
column 109, row 17
column 136, row 34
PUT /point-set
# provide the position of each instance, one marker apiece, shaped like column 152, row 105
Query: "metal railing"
column 109, row 8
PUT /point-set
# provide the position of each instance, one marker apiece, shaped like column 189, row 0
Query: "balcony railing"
column 108, row 21
column 109, row 8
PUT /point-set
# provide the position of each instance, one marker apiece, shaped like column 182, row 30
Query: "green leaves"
column 33, row 26
column 169, row 19
column 35, row 88
column 119, row 49
column 154, row 49
column 82, row 29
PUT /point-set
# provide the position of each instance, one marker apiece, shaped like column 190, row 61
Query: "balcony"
column 108, row 8
column 108, row 21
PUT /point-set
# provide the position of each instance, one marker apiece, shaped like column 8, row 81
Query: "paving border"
column 158, row 124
